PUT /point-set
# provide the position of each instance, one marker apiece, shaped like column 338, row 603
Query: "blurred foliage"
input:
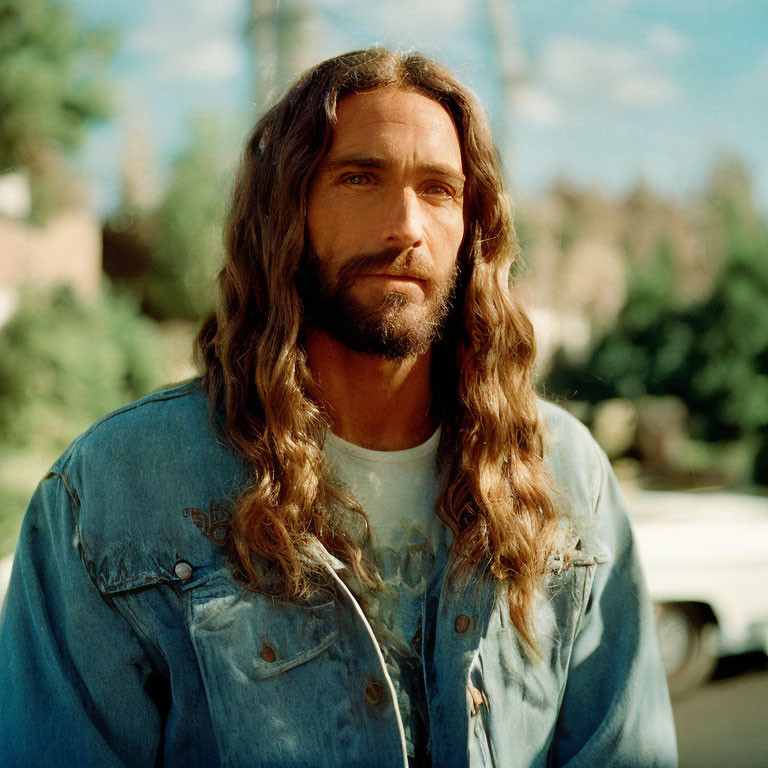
column 51, row 87
column 65, row 362
column 169, row 257
column 712, row 353
column 760, row 474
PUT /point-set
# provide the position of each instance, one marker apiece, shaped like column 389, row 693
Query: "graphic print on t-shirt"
column 398, row 491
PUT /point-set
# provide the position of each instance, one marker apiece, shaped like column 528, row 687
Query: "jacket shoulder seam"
column 182, row 390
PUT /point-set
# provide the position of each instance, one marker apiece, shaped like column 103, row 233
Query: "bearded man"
column 358, row 538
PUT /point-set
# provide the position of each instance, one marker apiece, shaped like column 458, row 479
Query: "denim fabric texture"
column 125, row 640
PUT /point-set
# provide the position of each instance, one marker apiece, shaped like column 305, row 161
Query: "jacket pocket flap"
column 260, row 636
column 113, row 578
column 582, row 559
column 114, row 581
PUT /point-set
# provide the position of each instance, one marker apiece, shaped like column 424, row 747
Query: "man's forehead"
column 397, row 119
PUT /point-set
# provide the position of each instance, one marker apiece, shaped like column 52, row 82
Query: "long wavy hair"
column 497, row 498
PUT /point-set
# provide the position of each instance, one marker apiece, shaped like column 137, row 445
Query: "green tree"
column 712, row 354
column 51, row 87
column 169, row 257
column 642, row 352
column 730, row 357
column 65, row 362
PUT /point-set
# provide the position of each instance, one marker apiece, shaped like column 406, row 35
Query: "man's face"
column 385, row 222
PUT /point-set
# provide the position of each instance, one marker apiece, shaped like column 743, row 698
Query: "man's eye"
column 356, row 179
column 439, row 189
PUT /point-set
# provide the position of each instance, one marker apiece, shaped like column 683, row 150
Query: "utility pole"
column 509, row 63
column 262, row 36
column 281, row 35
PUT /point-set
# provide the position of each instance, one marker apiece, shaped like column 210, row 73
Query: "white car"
column 705, row 556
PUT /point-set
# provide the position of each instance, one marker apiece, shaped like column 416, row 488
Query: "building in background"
column 67, row 249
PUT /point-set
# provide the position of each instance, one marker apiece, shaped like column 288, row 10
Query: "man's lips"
column 397, row 276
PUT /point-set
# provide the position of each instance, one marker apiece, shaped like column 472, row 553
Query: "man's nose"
column 403, row 220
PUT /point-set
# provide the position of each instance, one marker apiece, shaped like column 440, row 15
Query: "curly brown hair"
column 497, row 498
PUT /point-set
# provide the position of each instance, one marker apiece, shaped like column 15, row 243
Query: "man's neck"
column 380, row 404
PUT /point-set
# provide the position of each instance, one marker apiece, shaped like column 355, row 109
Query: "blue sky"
column 611, row 91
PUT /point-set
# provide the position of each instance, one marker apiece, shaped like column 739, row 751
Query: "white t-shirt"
column 398, row 491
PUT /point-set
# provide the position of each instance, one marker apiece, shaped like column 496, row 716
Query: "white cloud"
column 198, row 40
column 211, row 13
column 648, row 90
column 407, row 16
column 537, row 106
column 585, row 69
column 218, row 59
column 573, row 62
column 667, row 41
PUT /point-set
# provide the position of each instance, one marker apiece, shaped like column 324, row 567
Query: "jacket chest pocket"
column 263, row 662
column 569, row 593
column 535, row 680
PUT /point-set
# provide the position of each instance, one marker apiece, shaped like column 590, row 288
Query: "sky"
column 607, row 92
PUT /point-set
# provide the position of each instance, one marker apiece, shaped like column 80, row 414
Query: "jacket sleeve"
column 615, row 709
column 73, row 673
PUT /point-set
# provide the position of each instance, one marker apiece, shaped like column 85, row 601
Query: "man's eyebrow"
column 380, row 163
column 359, row 161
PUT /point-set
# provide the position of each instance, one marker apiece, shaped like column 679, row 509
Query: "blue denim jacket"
column 126, row 641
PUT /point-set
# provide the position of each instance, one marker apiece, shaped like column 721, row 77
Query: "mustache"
column 395, row 260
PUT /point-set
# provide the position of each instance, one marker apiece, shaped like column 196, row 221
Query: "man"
column 359, row 539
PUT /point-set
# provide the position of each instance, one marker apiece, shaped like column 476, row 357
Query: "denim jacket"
column 125, row 639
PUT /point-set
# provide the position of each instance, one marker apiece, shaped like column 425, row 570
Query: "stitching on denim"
column 182, row 390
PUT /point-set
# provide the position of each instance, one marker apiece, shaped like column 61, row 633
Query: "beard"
column 394, row 327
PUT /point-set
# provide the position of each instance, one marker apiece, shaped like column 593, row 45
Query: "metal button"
column 183, row 570
column 374, row 693
column 268, row 653
column 462, row 623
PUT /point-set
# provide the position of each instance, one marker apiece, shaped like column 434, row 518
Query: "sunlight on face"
column 385, row 222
